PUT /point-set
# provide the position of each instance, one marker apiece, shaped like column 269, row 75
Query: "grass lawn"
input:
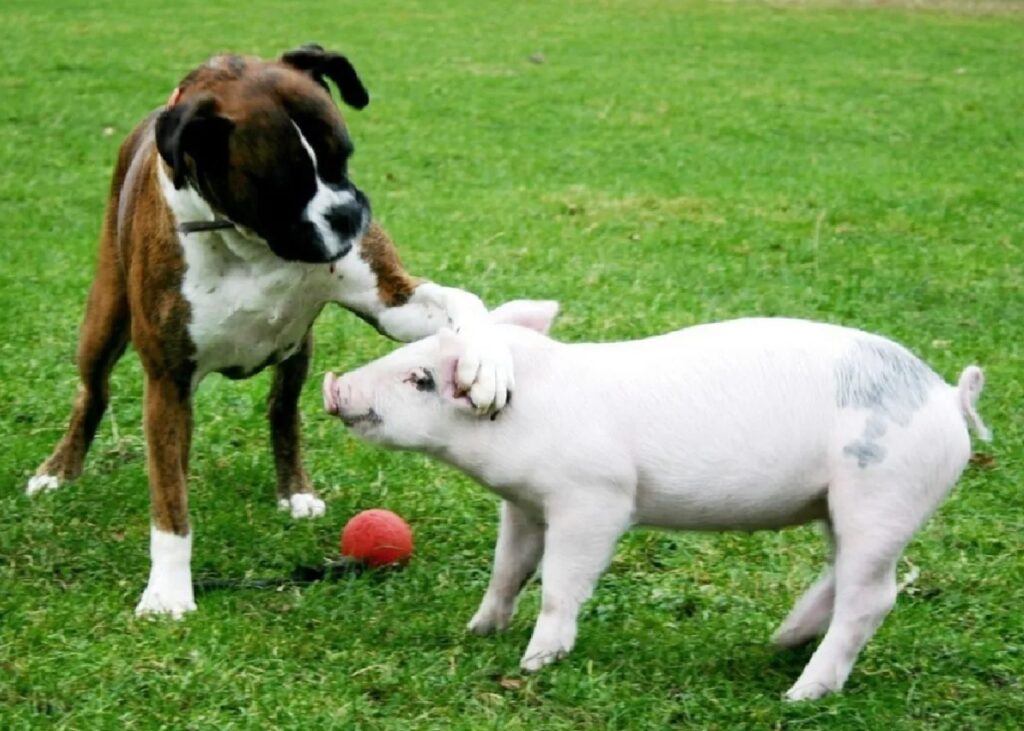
column 652, row 164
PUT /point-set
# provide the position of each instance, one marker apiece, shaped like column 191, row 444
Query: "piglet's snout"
column 348, row 403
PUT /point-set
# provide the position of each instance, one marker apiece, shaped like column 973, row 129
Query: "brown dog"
column 231, row 223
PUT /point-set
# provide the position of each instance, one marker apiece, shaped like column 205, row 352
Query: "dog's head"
column 265, row 146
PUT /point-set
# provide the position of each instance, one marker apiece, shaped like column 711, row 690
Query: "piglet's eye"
column 423, row 380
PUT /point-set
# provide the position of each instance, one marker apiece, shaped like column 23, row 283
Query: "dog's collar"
column 191, row 227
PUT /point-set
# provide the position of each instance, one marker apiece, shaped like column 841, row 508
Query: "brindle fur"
column 137, row 296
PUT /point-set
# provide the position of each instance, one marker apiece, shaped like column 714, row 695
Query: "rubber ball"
column 377, row 538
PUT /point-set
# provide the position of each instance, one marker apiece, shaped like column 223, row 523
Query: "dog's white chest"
column 249, row 308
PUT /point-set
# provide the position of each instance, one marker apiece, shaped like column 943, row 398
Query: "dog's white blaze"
column 323, row 201
column 169, row 590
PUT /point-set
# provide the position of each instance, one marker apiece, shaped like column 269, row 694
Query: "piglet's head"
column 409, row 399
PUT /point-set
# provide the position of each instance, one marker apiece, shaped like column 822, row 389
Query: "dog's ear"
column 193, row 128
column 318, row 63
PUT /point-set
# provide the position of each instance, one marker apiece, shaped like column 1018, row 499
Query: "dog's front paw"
column 303, row 505
column 166, row 599
column 484, row 370
column 42, row 483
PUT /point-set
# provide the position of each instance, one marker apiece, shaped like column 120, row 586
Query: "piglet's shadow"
column 751, row 668
column 302, row 575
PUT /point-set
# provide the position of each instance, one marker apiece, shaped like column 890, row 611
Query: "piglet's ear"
column 534, row 314
column 450, row 342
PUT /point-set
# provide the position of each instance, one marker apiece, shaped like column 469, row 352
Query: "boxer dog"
column 231, row 222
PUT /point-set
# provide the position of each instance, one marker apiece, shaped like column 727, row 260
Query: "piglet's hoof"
column 535, row 660
column 807, row 691
column 488, row 621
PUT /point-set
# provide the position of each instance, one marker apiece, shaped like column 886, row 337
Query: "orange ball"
column 377, row 538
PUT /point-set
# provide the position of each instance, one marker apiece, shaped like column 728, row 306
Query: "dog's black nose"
column 346, row 219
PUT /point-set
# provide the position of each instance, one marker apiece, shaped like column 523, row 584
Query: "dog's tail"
column 969, row 388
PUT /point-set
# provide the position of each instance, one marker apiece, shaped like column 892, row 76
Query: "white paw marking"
column 160, row 602
column 303, row 505
column 169, row 591
column 42, row 483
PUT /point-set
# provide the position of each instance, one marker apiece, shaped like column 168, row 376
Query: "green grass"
column 668, row 163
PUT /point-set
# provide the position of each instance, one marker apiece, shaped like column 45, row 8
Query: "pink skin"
column 334, row 404
column 330, row 396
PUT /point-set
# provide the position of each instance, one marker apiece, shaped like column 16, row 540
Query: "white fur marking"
column 323, row 201
column 303, row 505
column 247, row 303
column 169, row 591
column 42, row 483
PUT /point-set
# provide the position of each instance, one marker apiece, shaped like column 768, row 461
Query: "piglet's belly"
column 716, row 507
column 738, row 493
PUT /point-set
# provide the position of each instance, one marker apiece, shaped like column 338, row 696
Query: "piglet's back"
column 728, row 404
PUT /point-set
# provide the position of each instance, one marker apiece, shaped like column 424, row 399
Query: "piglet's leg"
column 810, row 615
column 871, row 530
column 520, row 545
column 578, row 544
column 812, row 612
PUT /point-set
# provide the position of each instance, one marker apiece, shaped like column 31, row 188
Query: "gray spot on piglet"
column 865, row 453
column 887, row 381
column 884, row 378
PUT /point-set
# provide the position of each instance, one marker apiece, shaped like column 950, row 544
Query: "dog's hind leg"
column 104, row 336
column 294, row 490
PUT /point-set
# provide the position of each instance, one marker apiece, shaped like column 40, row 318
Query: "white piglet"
column 748, row 424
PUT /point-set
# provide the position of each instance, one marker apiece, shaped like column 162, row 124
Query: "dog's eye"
column 423, row 380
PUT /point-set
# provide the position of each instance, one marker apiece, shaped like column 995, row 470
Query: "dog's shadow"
column 302, row 575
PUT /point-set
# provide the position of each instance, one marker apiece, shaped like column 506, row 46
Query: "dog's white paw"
column 303, row 505
column 169, row 594
column 42, row 483
column 154, row 604
column 169, row 591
